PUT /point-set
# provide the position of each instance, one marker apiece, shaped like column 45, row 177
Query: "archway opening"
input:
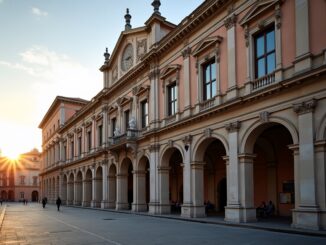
column 79, row 189
column 64, row 190
column 143, row 185
column 98, row 187
column 71, row 189
column 214, row 177
column 4, row 195
column 176, row 181
column 125, row 187
column 11, row 196
column 88, row 188
column 34, row 196
column 112, row 186
column 273, row 172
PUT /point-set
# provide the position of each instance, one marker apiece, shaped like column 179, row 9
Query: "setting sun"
column 12, row 154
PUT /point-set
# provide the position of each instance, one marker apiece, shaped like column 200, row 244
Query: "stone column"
column 197, row 171
column 139, row 204
column 84, row 190
column 246, row 180
column 303, row 56
column 105, row 127
column 75, row 189
column 186, row 81
column 93, row 202
column 154, row 179
column 233, row 208
column 122, row 192
column 307, row 215
column 104, row 203
column 164, row 202
column 230, row 24
column 112, row 191
column 153, row 97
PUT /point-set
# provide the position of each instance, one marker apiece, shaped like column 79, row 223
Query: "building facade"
column 226, row 108
column 19, row 179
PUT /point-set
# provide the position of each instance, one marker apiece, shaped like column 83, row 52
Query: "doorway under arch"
column 34, row 196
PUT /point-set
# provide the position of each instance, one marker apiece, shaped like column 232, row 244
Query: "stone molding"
column 230, row 21
column 233, row 127
column 264, row 116
column 305, row 107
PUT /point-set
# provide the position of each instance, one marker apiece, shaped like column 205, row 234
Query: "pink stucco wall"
column 317, row 12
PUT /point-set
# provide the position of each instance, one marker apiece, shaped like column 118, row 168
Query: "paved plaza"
column 32, row 224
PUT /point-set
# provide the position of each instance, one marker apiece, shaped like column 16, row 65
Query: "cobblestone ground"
column 34, row 225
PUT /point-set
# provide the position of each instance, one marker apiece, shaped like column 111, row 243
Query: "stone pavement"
column 32, row 224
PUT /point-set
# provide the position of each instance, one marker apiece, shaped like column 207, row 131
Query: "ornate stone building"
column 227, row 107
column 19, row 179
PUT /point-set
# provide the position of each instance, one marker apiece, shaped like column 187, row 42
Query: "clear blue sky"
column 55, row 47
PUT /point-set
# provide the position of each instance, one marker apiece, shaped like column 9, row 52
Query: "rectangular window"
column 89, row 140
column 64, row 153
column 126, row 119
column 113, row 125
column 100, row 135
column 172, row 99
column 144, row 113
column 22, row 195
column 209, row 80
column 79, row 145
column 72, row 145
column 35, row 180
column 22, row 180
column 265, row 62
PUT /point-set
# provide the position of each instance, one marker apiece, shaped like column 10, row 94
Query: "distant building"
column 19, row 179
column 225, row 108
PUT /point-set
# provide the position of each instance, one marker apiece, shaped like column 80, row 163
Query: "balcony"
column 122, row 141
column 207, row 104
column 263, row 81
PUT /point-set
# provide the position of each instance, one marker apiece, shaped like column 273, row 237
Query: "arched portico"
column 70, row 200
column 112, row 186
column 87, row 188
column 141, row 176
column 170, row 174
column 209, row 154
column 64, row 197
column 125, row 185
column 4, row 195
column 98, row 187
column 79, row 189
column 34, row 196
column 271, row 168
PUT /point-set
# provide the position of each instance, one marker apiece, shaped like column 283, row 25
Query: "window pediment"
column 172, row 69
column 139, row 90
column 207, row 43
column 258, row 8
column 123, row 101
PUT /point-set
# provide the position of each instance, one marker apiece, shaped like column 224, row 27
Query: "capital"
column 233, row 127
column 305, row 107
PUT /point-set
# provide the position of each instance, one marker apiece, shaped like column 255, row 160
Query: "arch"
column 143, row 186
column 112, row 185
column 203, row 143
column 321, row 130
column 4, row 195
column 167, row 153
column 34, row 196
column 98, row 186
column 64, row 197
column 88, row 188
column 249, row 138
column 79, row 188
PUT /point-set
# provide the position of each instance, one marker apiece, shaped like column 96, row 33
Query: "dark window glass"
column 113, row 125
column 209, row 80
column 89, row 140
column 72, row 145
column 172, row 99
column 79, row 146
column 126, row 119
column 100, row 135
column 144, row 113
column 265, row 52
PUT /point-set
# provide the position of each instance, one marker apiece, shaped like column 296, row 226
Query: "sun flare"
column 12, row 154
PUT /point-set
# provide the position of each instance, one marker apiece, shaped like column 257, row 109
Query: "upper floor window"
column 79, row 145
column 89, row 140
column 265, row 52
column 64, row 153
column 144, row 113
column 209, row 80
column 113, row 125
column 100, row 135
column 72, row 146
column 35, row 180
column 172, row 99
column 22, row 180
column 126, row 115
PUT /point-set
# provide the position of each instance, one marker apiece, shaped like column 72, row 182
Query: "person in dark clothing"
column 44, row 202
column 58, row 202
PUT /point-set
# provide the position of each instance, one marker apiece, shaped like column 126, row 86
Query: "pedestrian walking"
column 44, row 202
column 58, row 202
